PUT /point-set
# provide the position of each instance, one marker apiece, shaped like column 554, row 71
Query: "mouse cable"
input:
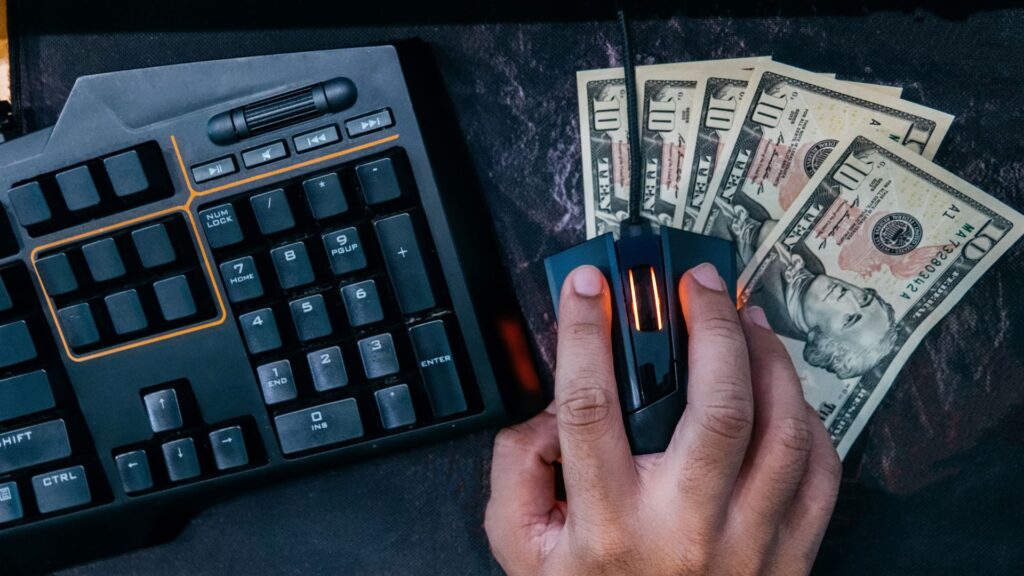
column 635, row 225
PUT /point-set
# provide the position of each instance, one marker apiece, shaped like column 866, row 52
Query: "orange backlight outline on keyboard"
column 207, row 266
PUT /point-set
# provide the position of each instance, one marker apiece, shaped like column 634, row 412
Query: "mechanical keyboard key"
column 395, row 405
column 61, row 489
column 379, row 358
column 78, row 325
column 328, row 369
column 104, row 260
column 10, row 503
column 241, row 279
column 30, row 204
column 220, row 224
column 404, row 262
column 164, row 410
column 17, row 344
column 6, row 303
column 229, row 448
column 319, row 426
column 345, row 251
column 181, row 459
column 25, row 394
column 325, row 196
column 126, row 174
column 175, row 298
column 134, row 470
column 154, row 246
column 277, row 382
column 33, row 445
column 310, row 317
column 362, row 303
column 126, row 313
column 440, row 378
column 273, row 214
column 379, row 181
column 78, row 189
column 260, row 331
column 292, row 265
column 56, row 274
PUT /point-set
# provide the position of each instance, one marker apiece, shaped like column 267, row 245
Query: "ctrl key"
column 61, row 489
column 319, row 426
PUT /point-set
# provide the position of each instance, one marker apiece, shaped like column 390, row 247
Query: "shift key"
column 33, row 445
column 404, row 262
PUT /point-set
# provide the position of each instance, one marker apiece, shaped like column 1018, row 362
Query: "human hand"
column 746, row 486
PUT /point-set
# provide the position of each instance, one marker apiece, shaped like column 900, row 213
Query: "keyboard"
column 220, row 273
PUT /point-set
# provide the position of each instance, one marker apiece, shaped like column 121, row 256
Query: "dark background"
column 933, row 486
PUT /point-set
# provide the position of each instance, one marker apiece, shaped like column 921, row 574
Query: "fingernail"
column 587, row 281
column 708, row 277
column 757, row 316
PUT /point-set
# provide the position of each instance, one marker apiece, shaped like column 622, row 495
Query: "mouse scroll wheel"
column 646, row 300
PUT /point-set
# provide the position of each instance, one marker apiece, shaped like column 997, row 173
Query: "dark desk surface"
column 933, row 486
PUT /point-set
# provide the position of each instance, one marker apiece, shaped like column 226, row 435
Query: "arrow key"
column 181, row 459
column 229, row 448
column 134, row 469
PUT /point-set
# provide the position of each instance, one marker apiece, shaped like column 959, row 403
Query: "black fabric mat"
column 933, row 485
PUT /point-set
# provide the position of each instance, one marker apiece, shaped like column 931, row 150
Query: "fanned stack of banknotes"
column 853, row 241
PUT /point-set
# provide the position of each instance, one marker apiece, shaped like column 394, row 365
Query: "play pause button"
column 369, row 123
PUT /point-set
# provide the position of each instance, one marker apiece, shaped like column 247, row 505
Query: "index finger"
column 600, row 475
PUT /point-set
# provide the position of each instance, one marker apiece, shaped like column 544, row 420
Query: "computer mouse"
column 649, row 338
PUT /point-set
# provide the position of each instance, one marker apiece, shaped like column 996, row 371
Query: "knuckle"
column 794, row 434
column 730, row 415
column 587, row 409
column 723, row 327
column 586, row 330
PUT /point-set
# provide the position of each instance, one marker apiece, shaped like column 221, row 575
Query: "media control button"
column 315, row 139
column 214, row 169
column 372, row 122
column 254, row 157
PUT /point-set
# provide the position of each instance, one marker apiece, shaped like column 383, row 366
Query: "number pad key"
column 292, row 265
column 260, row 330
column 241, row 279
column 328, row 369
column 310, row 317
column 362, row 303
column 379, row 357
column 395, row 406
column 405, row 263
column 273, row 214
column 277, row 382
column 345, row 251
column 325, row 196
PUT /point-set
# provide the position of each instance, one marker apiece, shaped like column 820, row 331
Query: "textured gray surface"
column 928, row 489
